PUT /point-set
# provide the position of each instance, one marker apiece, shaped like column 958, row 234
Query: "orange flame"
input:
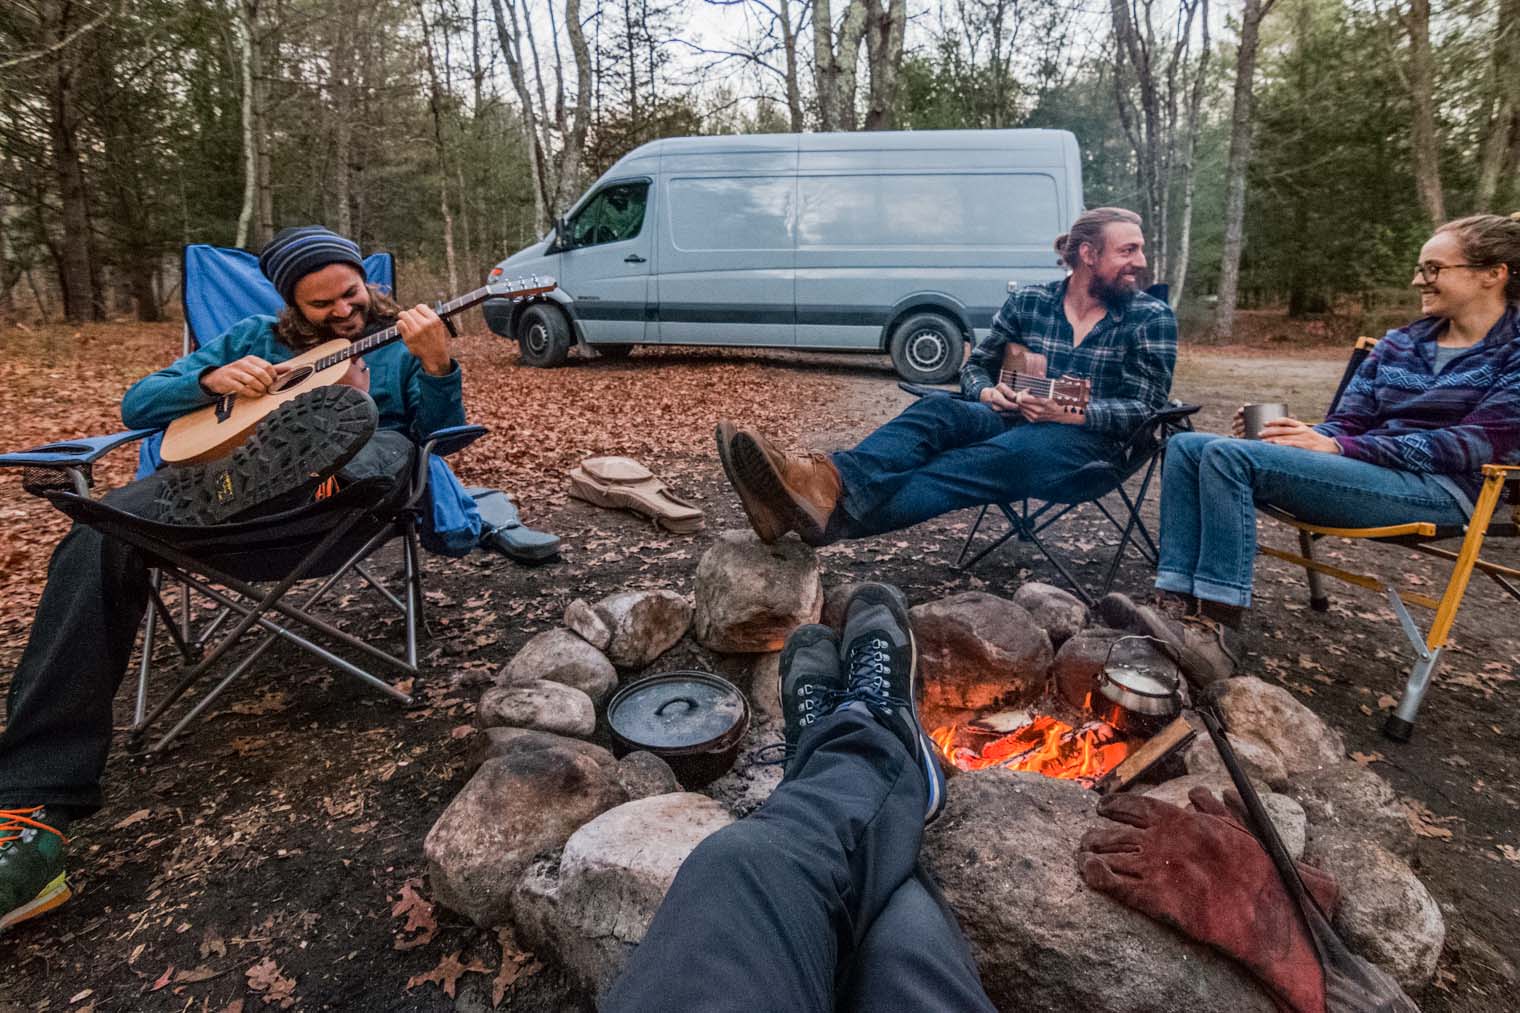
column 1043, row 746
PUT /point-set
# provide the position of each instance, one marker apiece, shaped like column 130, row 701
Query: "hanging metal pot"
column 1142, row 682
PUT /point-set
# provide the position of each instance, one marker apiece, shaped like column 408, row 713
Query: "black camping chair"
column 1091, row 483
column 226, row 564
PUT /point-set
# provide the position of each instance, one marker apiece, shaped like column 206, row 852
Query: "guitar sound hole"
column 294, row 378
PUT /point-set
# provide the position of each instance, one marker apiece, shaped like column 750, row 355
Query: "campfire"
column 1083, row 749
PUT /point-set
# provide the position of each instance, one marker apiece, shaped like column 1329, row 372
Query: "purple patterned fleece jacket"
column 1400, row 413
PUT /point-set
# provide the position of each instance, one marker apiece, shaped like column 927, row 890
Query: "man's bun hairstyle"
column 1088, row 228
column 1488, row 241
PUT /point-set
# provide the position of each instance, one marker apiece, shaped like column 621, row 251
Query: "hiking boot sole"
column 754, row 470
column 301, row 443
column 765, row 523
column 53, row 895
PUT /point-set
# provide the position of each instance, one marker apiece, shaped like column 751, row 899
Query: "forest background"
column 1289, row 155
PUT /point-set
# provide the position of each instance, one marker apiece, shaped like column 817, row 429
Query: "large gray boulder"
column 1356, row 802
column 516, row 806
column 503, row 739
column 547, row 706
column 564, row 657
column 750, row 595
column 1060, row 613
column 644, row 625
column 1257, row 710
column 1005, row 853
column 614, row 873
column 976, row 649
column 1386, row 915
column 1259, row 762
column 586, row 623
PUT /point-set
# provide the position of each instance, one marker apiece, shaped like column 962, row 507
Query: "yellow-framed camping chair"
column 1487, row 521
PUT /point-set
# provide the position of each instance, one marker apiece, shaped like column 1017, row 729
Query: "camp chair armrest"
column 1511, row 472
column 71, row 453
column 1146, row 432
column 444, row 442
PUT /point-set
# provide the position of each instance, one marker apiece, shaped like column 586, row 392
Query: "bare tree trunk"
column 76, row 274
column 435, row 104
column 1427, row 143
column 789, row 48
column 341, row 56
column 1501, row 107
column 1242, row 127
column 835, row 62
column 248, row 12
column 1187, row 168
column 884, row 52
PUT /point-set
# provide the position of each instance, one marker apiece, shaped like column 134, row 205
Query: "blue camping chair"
column 229, row 565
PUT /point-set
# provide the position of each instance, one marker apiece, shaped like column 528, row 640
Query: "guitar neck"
column 370, row 342
column 1039, row 386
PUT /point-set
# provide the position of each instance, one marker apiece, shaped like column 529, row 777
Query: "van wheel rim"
column 926, row 350
column 537, row 339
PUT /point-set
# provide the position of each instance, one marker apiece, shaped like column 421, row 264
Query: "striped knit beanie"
column 295, row 252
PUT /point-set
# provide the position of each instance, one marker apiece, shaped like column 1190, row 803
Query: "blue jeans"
column 943, row 454
column 1211, row 486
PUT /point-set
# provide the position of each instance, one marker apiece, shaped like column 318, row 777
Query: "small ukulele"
column 1025, row 370
column 219, row 428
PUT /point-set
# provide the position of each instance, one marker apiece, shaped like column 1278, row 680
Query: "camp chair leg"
column 413, row 593
column 1319, row 600
column 1400, row 724
column 1076, row 585
column 971, row 537
column 1017, row 529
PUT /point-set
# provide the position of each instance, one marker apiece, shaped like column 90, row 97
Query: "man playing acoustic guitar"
column 53, row 747
column 996, row 443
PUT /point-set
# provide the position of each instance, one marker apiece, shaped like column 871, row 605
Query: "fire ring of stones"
column 575, row 849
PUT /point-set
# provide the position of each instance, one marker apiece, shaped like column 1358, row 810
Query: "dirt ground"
column 273, row 858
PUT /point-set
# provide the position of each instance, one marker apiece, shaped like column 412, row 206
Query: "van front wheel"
column 543, row 336
column 926, row 348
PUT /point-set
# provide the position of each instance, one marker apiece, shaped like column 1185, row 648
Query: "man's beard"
column 1111, row 293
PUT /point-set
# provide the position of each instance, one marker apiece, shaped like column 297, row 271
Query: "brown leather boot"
column 802, row 490
column 764, row 518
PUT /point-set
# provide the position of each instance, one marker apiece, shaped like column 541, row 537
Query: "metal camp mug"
column 1258, row 415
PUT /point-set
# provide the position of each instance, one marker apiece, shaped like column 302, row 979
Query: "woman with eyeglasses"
column 1434, row 401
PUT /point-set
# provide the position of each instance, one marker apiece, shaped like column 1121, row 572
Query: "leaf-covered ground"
column 273, row 859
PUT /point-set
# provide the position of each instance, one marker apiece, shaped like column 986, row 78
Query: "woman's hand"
column 1293, row 433
column 1238, row 423
column 249, row 376
column 426, row 338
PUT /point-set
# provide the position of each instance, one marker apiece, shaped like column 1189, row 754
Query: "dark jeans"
column 943, row 454
column 814, row 902
column 58, row 731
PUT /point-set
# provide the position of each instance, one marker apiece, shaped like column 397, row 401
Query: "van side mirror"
column 562, row 239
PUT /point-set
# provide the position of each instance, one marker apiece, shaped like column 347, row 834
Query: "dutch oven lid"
column 676, row 710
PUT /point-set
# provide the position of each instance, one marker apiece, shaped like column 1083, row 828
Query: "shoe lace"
column 14, row 822
column 869, row 664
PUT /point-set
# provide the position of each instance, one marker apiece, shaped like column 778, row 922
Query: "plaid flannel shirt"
column 1128, row 356
column 1399, row 413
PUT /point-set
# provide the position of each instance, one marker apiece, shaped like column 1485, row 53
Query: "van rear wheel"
column 543, row 336
column 927, row 348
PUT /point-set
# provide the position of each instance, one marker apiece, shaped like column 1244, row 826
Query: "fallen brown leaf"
column 265, row 977
column 132, row 820
column 418, row 912
column 446, row 975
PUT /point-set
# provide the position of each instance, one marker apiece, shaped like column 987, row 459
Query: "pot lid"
column 676, row 710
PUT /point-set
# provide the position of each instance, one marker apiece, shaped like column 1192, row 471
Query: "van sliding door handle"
column 633, row 258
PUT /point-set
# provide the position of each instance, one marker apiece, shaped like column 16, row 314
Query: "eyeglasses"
column 1430, row 270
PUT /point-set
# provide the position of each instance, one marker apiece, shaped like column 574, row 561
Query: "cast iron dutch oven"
column 692, row 720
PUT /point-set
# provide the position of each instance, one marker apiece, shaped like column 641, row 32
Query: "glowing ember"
column 1043, row 746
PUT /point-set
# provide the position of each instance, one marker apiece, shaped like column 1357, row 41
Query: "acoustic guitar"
column 1025, row 370
column 219, row 428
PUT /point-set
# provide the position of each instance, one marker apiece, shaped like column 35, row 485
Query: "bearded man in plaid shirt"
column 994, row 444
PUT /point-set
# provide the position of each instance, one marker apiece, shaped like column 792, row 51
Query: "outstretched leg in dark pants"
column 772, row 912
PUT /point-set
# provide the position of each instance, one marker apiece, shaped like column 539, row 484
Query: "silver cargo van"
column 900, row 242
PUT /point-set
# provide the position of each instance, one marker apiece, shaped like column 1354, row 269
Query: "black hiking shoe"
column 880, row 661
column 811, row 683
column 296, row 447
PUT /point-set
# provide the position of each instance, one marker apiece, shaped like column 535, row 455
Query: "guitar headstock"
column 501, row 287
column 1071, row 394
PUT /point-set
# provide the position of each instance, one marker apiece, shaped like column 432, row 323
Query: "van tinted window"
column 615, row 214
column 747, row 213
column 961, row 209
